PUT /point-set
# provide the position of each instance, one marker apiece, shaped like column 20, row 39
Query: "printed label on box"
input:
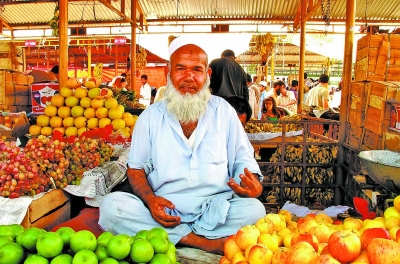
column 42, row 94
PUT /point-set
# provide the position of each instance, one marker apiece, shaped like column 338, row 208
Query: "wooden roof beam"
column 311, row 8
column 119, row 13
column 4, row 23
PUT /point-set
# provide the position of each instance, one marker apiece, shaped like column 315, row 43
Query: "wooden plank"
column 187, row 255
column 384, row 90
column 372, row 140
column 357, row 88
column 394, row 41
column 16, row 89
column 380, row 68
column 47, row 203
column 18, row 100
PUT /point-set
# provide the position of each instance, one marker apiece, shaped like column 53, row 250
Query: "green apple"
column 83, row 239
column 62, row 259
column 11, row 253
column 66, row 233
column 119, row 246
column 85, row 256
column 49, row 245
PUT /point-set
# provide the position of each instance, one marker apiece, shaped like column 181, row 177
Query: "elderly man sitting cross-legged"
column 191, row 166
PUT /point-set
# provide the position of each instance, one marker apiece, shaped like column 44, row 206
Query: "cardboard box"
column 18, row 130
column 42, row 94
column 52, row 209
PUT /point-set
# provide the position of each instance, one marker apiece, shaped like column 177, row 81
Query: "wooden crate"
column 391, row 141
column 13, row 85
column 372, row 140
column 52, row 209
column 354, row 135
column 377, row 120
column 371, row 58
column 359, row 93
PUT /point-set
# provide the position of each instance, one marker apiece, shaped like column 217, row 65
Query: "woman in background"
column 269, row 110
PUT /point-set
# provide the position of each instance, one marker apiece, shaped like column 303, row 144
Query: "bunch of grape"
column 85, row 154
column 50, row 158
column 19, row 174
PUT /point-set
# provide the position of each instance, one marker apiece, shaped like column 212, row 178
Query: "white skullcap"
column 263, row 83
column 180, row 42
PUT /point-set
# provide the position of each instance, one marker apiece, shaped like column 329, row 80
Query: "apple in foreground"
column 305, row 237
column 383, row 251
column 344, row 245
column 352, row 223
column 85, row 256
column 231, row 247
column 265, row 225
column 258, row 254
column 280, row 255
column 246, row 236
column 369, row 234
column 324, row 259
column 321, row 232
column 304, row 224
column 269, row 240
column 302, row 252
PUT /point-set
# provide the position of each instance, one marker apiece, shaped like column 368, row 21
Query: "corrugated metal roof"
column 20, row 14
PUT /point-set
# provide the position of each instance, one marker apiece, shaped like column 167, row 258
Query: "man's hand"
column 157, row 205
column 249, row 186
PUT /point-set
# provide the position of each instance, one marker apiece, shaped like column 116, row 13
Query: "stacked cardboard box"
column 369, row 114
column 377, row 58
column 15, row 95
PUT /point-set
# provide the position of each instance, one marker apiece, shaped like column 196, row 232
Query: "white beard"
column 188, row 107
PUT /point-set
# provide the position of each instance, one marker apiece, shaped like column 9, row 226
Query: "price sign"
column 30, row 43
column 120, row 41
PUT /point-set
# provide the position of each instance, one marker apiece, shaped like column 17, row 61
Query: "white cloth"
column 252, row 101
column 145, row 91
column 182, row 41
column 283, row 100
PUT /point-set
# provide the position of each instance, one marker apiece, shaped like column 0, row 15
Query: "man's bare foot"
column 215, row 246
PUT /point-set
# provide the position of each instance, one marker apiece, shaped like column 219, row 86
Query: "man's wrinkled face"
column 189, row 69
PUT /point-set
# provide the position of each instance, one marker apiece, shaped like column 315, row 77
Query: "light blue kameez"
column 194, row 180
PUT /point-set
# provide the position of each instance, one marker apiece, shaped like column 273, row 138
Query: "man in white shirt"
column 287, row 99
column 319, row 95
column 145, row 91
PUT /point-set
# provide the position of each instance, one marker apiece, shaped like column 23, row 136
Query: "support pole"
column 63, row 38
column 302, row 55
column 347, row 73
column 133, row 45
column 89, row 61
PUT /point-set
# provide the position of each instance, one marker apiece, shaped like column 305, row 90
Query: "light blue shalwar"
column 195, row 181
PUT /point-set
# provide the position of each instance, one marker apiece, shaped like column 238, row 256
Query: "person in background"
column 252, row 95
column 269, row 109
column 263, row 92
column 191, row 166
column 276, row 90
column 228, row 77
column 294, row 88
column 145, row 91
column 242, row 108
column 153, row 94
column 287, row 100
column 319, row 95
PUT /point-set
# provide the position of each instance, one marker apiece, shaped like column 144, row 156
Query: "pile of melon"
column 77, row 109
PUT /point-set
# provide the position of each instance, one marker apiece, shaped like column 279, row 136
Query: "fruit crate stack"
column 15, row 95
column 377, row 58
column 303, row 169
column 369, row 115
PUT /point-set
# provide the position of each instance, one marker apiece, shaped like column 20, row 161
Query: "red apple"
column 337, row 222
column 286, row 214
column 324, row 259
column 246, row 236
column 224, row 260
column 231, row 247
column 344, row 245
column 280, row 255
column 258, row 254
column 321, row 232
column 323, row 218
column 305, row 237
column 302, row 252
column 323, row 248
column 383, row 251
column 362, row 258
column 265, row 225
column 371, row 233
column 352, row 223
column 277, row 220
column 304, row 224
column 311, row 215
